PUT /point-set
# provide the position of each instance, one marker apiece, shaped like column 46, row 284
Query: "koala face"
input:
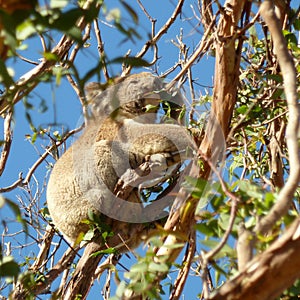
column 130, row 96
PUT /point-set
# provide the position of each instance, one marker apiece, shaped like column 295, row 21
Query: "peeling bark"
column 225, row 91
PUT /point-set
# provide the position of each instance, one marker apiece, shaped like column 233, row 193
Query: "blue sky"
column 64, row 108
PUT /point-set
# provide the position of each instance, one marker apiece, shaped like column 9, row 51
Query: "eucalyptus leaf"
column 8, row 267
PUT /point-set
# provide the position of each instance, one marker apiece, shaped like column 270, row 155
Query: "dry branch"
column 24, row 181
column 184, row 272
column 20, row 292
column 156, row 38
column 281, row 262
column 29, row 80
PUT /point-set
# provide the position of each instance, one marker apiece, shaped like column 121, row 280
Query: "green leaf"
column 206, row 229
column 75, row 33
column 242, row 109
column 25, row 30
column 8, row 267
column 250, row 189
column 139, row 268
column 51, row 56
column 158, row 267
column 195, row 185
column 224, row 219
column 94, row 71
column 42, row 106
column 58, row 72
column 67, row 20
column 130, row 33
column 105, row 251
column 139, row 287
column 269, row 199
column 275, row 77
column 89, row 235
column 120, row 290
column 277, row 93
column 114, row 15
column 296, row 24
column 291, row 39
column 58, row 3
column 225, row 251
column 131, row 61
column 251, row 221
column 16, row 210
column 5, row 78
column 131, row 11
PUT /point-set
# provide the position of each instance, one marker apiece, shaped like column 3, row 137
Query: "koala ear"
column 100, row 98
column 92, row 89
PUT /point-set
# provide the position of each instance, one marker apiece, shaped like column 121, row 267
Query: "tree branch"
column 288, row 70
column 156, row 38
column 226, row 80
column 84, row 274
column 7, row 140
column 280, row 263
column 29, row 80
column 21, row 291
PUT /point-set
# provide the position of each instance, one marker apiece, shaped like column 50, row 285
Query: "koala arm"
column 149, row 139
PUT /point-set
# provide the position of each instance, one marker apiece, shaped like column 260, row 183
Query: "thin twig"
column 235, row 201
column 101, row 49
column 21, row 181
column 43, row 42
column 204, row 44
column 41, row 260
column 160, row 33
column 78, row 91
column 152, row 20
column 29, row 81
column 48, row 151
column 11, row 187
column 32, row 62
column 184, row 272
column 77, row 47
column 270, row 120
column 20, row 292
column 269, row 273
column 206, row 13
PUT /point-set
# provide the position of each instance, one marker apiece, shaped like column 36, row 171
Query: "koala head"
column 129, row 97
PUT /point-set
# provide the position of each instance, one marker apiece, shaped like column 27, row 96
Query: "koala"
column 120, row 136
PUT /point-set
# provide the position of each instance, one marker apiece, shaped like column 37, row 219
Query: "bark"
column 288, row 70
column 83, row 277
column 225, row 91
column 268, row 274
column 271, row 272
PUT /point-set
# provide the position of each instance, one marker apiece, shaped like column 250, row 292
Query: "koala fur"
column 116, row 139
